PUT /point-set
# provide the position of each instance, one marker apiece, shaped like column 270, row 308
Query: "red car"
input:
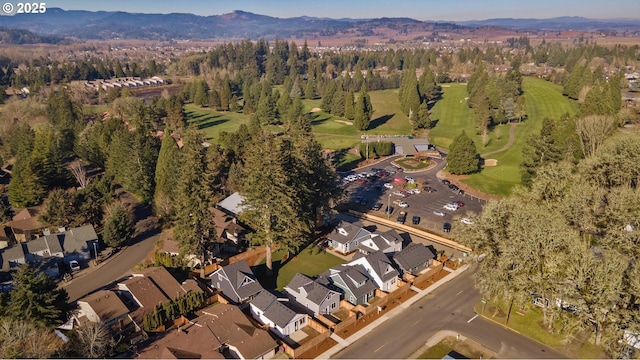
column 459, row 203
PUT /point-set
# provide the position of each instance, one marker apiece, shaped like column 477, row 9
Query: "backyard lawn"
column 311, row 261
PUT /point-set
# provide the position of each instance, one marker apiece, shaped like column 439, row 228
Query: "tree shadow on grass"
column 380, row 121
column 205, row 125
column 267, row 282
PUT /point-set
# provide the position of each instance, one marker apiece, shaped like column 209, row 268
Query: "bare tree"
column 94, row 340
column 22, row 339
column 593, row 131
column 79, row 173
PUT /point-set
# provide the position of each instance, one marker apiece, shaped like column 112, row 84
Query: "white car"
column 403, row 204
column 410, row 179
column 439, row 213
column 399, row 193
column 74, row 265
column 466, row 221
column 451, row 207
column 414, row 191
column 388, row 185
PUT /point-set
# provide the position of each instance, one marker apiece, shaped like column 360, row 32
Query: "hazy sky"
column 417, row 9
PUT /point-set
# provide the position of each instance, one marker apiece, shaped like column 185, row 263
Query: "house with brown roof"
column 151, row 287
column 229, row 233
column 223, row 331
column 26, row 226
column 105, row 307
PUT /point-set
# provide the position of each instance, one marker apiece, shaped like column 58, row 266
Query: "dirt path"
column 512, row 138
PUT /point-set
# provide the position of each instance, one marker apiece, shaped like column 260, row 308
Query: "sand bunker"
column 491, row 162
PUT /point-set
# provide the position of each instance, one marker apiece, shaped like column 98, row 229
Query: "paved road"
column 114, row 268
column 449, row 307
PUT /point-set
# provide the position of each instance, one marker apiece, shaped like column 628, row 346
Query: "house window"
column 352, row 299
column 333, row 305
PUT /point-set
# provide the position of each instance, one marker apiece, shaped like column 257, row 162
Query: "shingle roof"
column 412, row 256
column 106, row 304
column 164, row 281
column 146, row 292
column 345, row 232
column 263, row 300
column 233, row 204
column 237, row 272
column 316, row 291
column 273, row 309
column 75, row 239
column 382, row 265
column 353, row 276
column 392, row 235
column 12, row 253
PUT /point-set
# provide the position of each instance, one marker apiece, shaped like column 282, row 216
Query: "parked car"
column 461, row 192
column 415, row 220
column 400, row 193
column 439, row 213
column 446, row 182
column 446, row 227
column 451, row 207
column 377, row 206
column 403, row 204
column 459, row 203
column 388, row 210
column 453, row 187
column 429, row 189
column 388, row 185
column 410, row 179
column 74, row 265
column 466, row 221
column 402, row 217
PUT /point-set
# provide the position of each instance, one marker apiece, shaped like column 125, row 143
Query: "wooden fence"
column 296, row 351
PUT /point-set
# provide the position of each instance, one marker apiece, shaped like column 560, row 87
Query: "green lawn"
column 211, row 122
column 543, row 99
column 311, row 261
column 529, row 324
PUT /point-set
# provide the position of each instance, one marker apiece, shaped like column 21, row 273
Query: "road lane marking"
column 381, row 346
column 473, row 318
column 417, row 321
column 459, row 292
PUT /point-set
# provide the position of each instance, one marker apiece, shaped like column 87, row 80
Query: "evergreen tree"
column 65, row 116
column 338, row 104
column 271, row 195
column 26, row 188
column 166, row 177
column 6, row 213
column 58, row 208
column 310, row 90
column 421, row 119
column 349, row 106
column 225, row 94
column 194, row 228
column 200, row 97
column 175, row 112
column 539, row 150
column 463, row 157
column 118, row 226
column 363, row 111
column 327, row 97
column 35, row 297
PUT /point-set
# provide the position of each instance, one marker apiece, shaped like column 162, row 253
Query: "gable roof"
column 355, row 278
column 233, row 204
column 11, row 254
column 241, row 278
column 106, row 304
column 391, row 236
column 76, row 239
column 316, row 292
column 273, row 309
column 380, row 264
column 165, row 282
column 146, row 293
column 345, row 232
column 412, row 256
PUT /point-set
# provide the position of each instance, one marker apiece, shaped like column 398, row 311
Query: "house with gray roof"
column 269, row 310
column 313, row 295
column 379, row 268
column 13, row 257
column 388, row 242
column 414, row 259
column 346, row 237
column 79, row 242
column 352, row 281
column 236, row 281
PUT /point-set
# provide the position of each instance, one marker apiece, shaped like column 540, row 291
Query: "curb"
column 362, row 332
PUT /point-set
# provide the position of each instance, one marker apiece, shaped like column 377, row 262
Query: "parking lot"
column 365, row 192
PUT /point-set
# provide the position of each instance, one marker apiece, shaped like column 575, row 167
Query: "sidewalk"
column 355, row 337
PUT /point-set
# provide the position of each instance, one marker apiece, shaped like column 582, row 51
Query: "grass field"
column 543, row 99
column 311, row 261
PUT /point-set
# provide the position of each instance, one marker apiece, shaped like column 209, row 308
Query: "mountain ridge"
column 242, row 24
